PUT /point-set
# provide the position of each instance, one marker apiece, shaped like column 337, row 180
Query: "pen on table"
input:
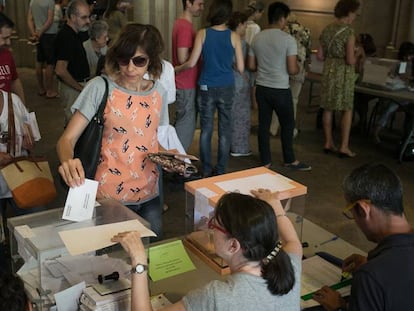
column 330, row 240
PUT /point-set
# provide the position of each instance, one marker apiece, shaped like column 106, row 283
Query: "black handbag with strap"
column 88, row 146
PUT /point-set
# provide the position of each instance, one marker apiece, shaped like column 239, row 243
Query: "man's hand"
column 352, row 263
column 329, row 299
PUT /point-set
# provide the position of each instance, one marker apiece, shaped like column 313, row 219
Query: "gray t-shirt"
column 245, row 292
column 40, row 10
column 271, row 47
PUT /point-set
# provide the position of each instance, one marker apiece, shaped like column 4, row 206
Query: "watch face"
column 139, row 268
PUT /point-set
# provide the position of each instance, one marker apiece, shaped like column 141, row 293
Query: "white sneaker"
column 295, row 132
column 238, row 154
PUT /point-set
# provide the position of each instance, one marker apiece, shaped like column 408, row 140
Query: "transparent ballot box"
column 202, row 196
column 35, row 239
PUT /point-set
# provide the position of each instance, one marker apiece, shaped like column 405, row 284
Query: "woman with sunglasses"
column 135, row 108
column 261, row 247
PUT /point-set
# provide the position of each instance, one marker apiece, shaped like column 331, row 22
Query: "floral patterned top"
column 303, row 40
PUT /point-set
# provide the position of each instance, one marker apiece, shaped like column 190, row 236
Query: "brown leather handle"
column 11, row 140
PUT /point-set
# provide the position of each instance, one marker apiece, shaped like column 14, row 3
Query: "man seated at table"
column 406, row 55
column 383, row 281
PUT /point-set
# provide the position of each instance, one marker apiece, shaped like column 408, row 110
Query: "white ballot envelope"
column 80, row 201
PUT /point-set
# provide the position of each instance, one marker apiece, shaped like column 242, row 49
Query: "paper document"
column 80, row 201
column 83, row 240
column 267, row 181
column 67, row 300
column 168, row 259
column 317, row 272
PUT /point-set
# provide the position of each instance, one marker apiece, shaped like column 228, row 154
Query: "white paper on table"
column 67, row 300
column 267, row 181
column 317, row 272
column 202, row 209
column 80, row 201
column 79, row 241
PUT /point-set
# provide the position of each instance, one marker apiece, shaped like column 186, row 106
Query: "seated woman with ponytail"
column 261, row 247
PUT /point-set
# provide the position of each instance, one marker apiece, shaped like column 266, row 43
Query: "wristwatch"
column 139, row 268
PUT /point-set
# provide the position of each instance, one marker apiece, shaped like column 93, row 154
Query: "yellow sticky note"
column 168, row 259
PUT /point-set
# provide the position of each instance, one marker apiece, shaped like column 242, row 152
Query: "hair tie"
column 273, row 253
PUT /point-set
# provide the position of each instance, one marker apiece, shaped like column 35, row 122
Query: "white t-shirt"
column 20, row 116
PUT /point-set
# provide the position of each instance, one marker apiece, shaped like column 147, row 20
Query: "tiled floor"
column 324, row 200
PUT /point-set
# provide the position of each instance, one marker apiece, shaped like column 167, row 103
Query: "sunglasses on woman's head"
column 138, row 61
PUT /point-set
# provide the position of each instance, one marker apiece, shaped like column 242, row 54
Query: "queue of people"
column 264, row 255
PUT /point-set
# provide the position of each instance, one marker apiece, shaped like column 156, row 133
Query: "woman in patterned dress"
column 338, row 49
column 134, row 109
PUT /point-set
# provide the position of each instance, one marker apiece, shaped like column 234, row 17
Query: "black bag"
column 88, row 146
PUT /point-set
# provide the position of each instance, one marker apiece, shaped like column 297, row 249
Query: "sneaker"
column 295, row 132
column 238, row 154
column 299, row 166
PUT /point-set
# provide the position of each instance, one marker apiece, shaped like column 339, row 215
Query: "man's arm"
column 30, row 23
column 32, row 28
column 292, row 64
column 251, row 63
column 183, row 55
column 17, row 88
column 63, row 73
column 195, row 53
column 48, row 22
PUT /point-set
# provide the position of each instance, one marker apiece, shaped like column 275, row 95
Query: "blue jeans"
column 280, row 101
column 185, row 116
column 220, row 98
column 151, row 211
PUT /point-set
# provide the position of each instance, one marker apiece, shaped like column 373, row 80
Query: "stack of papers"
column 120, row 301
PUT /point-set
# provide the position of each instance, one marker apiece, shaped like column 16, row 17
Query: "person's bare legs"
column 327, row 129
column 39, row 75
column 50, row 90
column 346, row 123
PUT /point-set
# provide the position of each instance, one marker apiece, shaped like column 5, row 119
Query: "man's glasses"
column 212, row 226
column 347, row 211
column 138, row 61
column 84, row 17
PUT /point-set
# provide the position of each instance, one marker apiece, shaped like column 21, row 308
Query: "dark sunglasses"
column 138, row 61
